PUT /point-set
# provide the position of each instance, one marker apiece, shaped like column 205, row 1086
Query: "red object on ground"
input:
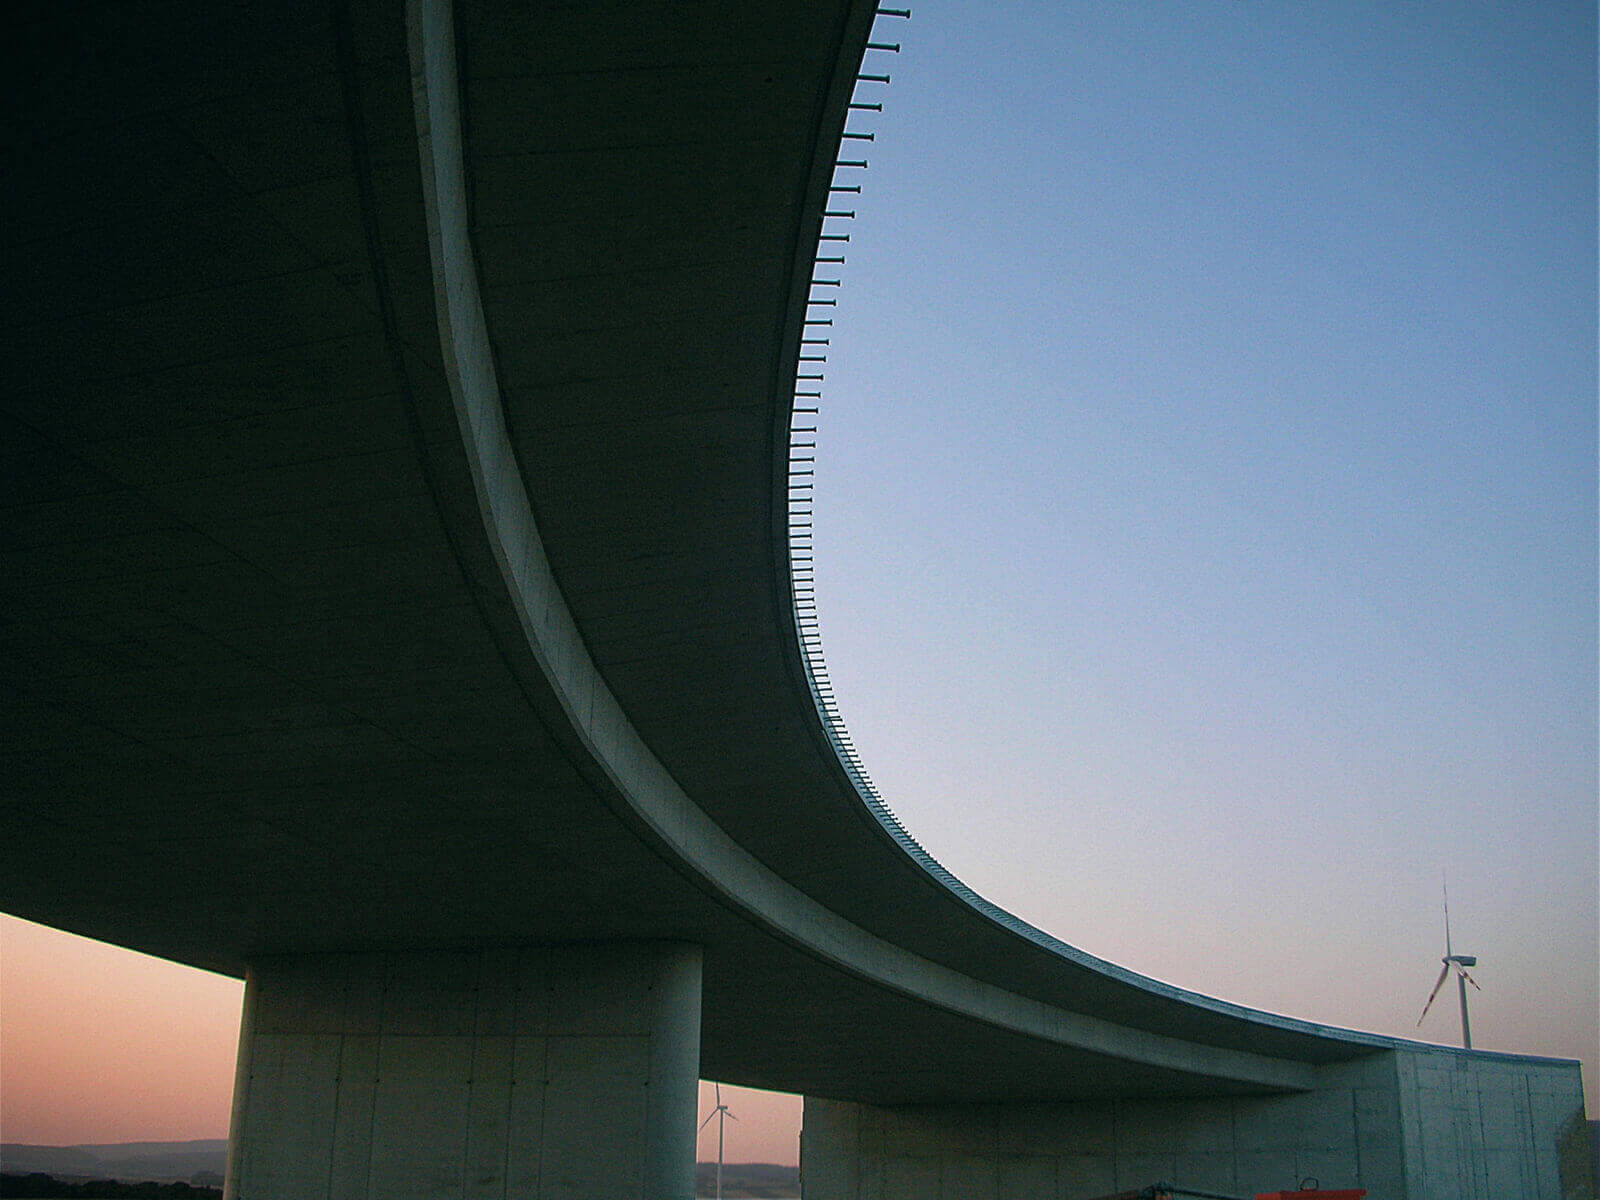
column 1315, row 1194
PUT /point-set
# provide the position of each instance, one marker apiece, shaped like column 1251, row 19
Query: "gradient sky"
column 1206, row 528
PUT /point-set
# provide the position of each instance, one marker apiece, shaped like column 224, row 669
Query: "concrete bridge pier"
column 1412, row 1123
column 530, row 1072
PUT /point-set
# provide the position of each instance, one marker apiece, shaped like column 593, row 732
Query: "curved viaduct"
column 398, row 607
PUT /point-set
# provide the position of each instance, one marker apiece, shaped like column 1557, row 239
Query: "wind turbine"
column 1460, row 962
column 723, row 1117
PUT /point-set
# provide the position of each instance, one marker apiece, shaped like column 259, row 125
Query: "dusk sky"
column 1206, row 528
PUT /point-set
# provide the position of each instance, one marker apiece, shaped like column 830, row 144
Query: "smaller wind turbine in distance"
column 723, row 1117
column 1460, row 962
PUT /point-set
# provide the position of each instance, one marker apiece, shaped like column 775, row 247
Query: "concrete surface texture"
column 557, row 1072
column 396, row 451
column 1408, row 1124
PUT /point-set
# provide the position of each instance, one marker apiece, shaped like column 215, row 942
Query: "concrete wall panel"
column 1338, row 1168
column 1503, row 1115
column 531, row 1002
column 1412, row 1123
column 1141, row 1170
column 1081, row 1175
column 365, row 988
column 871, row 1182
column 600, row 991
column 292, row 1098
column 1027, row 1178
column 430, row 994
column 1380, row 1154
column 495, row 1011
column 1173, row 1127
column 968, row 1177
column 306, row 996
column 594, row 1102
column 415, row 1100
column 350, row 1166
column 838, row 1126
column 525, row 1117
column 1210, row 1171
column 419, row 1121
column 911, row 1175
column 1473, row 1123
column 1279, row 1166
column 1030, row 1129
column 488, row 1118
column 935, row 1131
column 1508, row 1173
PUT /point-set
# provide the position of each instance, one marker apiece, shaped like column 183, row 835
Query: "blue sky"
column 1206, row 491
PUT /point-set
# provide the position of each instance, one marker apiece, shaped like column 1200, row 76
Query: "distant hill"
column 170, row 1162
column 64, row 1162
column 132, row 1162
column 764, row 1181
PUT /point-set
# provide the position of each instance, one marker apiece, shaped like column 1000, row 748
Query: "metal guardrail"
column 815, row 338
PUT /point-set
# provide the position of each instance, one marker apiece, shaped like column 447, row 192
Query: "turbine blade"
column 718, row 1086
column 1439, row 983
column 1468, row 978
column 1447, row 950
column 707, row 1121
column 731, row 1117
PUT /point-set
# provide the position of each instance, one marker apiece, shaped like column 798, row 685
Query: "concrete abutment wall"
column 536, row 1072
column 1411, row 1123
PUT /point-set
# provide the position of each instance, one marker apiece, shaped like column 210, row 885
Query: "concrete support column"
column 1412, row 1123
column 547, row 1072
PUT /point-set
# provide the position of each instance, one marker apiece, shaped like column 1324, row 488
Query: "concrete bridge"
column 399, row 613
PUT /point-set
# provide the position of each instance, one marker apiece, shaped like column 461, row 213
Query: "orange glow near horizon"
column 765, row 1126
column 100, row 1044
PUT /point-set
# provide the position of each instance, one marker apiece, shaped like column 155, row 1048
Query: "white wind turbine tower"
column 1460, row 962
column 723, row 1117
